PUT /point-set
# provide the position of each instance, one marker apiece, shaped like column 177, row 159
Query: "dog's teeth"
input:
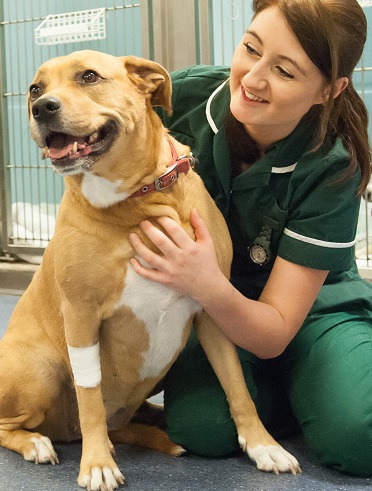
column 75, row 147
column 44, row 153
column 93, row 137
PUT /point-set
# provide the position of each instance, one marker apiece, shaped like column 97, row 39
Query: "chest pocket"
column 246, row 224
column 270, row 221
column 260, row 212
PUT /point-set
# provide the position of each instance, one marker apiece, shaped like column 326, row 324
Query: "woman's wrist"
column 214, row 292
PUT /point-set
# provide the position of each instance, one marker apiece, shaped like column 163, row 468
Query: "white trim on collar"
column 208, row 108
column 317, row 242
column 283, row 170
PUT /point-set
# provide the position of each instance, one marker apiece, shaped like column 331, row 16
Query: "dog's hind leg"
column 34, row 447
column 17, row 415
column 144, row 435
column 27, row 394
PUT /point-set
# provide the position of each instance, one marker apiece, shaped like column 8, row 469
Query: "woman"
column 283, row 150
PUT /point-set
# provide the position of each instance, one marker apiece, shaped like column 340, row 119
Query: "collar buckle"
column 167, row 178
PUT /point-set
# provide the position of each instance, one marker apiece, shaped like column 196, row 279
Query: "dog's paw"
column 101, row 479
column 42, row 451
column 271, row 458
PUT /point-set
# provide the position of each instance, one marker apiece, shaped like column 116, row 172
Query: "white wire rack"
column 71, row 27
column 365, row 3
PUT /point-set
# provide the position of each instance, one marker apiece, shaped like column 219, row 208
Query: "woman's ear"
column 340, row 86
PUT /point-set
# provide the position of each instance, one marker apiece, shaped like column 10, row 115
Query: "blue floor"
column 146, row 470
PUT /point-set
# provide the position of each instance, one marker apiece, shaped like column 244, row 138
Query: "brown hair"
column 333, row 34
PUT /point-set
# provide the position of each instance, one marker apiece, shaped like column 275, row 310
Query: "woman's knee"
column 201, row 429
column 343, row 443
column 329, row 379
column 197, row 413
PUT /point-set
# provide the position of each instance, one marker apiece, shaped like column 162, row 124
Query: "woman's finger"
column 177, row 233
column 200, row 228
column 159, row 238
column 148, row 273
column 149, row 256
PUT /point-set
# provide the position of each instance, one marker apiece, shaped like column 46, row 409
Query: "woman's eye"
column 90, row 77
column 250, row 50
column 283, row 73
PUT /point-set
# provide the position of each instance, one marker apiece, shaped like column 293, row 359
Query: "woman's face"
column 273, row 82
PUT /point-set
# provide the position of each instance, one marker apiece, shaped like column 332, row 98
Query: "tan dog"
column 87, row 317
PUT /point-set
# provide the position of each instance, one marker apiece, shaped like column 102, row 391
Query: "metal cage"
column 175, row 33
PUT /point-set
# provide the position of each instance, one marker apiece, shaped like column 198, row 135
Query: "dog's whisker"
column 86, row 163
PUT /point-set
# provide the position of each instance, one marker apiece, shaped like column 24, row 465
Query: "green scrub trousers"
column 322, row 382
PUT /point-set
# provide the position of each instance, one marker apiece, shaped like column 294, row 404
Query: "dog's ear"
column 152, row 79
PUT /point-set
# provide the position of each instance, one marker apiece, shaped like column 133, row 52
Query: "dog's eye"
column 35, row 92
column 90, row 77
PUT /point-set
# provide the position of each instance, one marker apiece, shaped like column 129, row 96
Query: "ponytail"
column 353, row 128
column 347, row 117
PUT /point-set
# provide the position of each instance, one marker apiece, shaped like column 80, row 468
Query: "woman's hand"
column 264, row 327
column 185, row 265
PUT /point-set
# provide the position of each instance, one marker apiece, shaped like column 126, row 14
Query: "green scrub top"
column 291, row 196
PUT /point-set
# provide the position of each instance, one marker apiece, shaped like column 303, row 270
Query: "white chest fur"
column 164, row 313
column 100, row 192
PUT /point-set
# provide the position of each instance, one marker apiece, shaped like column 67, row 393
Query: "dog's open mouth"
column 61, row 147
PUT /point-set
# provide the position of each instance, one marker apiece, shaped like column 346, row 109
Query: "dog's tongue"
column 61, row 145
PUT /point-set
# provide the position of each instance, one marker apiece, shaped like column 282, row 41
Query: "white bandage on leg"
column 86, row 365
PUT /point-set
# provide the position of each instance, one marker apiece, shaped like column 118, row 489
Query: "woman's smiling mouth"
column 251, row 97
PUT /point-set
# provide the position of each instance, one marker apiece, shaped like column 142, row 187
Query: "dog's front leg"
column 98, row 470
column 253, row 437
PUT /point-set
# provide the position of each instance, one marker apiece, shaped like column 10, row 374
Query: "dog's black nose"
column 46, row 108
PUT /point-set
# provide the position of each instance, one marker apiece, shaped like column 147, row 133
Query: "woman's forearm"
column 252, row 325
column 264, row 327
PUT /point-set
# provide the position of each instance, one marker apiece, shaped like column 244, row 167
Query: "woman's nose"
column 256, row 76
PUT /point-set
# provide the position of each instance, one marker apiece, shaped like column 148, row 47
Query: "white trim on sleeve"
column 317, row 242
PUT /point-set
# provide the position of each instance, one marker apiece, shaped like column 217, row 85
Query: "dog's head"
column 79, row 105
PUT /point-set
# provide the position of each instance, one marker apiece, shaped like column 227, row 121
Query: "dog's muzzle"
column 69, row 152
